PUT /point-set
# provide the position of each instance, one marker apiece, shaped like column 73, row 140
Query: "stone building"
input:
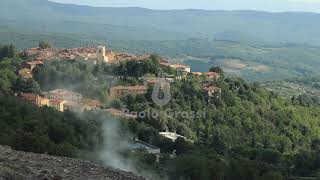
column 33, row 64
column 58, row 104
column 35, row 98
column 64, row 94
column 120, row 91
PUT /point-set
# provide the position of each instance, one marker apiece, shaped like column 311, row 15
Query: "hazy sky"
column 265, row 5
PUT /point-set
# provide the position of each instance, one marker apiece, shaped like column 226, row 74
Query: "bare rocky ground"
column 16, row 165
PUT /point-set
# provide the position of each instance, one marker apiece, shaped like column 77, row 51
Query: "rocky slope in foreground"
column 22, row 165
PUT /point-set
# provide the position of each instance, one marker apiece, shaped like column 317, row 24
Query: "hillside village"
column 106, row 92
column 68, row 100
column 62, row 99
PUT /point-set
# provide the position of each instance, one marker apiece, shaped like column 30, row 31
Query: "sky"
column 260, row 5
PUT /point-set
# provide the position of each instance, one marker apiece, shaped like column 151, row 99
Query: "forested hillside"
column 30, row 128
column 247, row 132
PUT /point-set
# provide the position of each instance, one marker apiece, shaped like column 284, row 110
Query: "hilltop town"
column 96, row 55
column 69, row 100
column 63, row 99
column 118, row 111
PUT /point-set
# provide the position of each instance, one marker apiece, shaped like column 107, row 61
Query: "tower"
column 101, row 54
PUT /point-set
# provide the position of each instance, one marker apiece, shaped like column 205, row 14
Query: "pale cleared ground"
column 237, row 64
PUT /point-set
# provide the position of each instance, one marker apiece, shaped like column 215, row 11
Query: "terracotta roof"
column 211, row 73
column 29, row 96
column 130, row 87
column 197, row 73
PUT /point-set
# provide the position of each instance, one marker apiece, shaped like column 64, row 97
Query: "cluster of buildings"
column 71, row 54
column 98, row 54
column 186, row 69
column 101, row 54
column 95, row 54
column 35, row 98
column 38, row 56
column 40, row 53
column 117, row 92
column 40, row 101
column 62, row 100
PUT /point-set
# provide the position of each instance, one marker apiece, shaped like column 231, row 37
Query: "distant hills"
column 146, row 24
column 251, row 44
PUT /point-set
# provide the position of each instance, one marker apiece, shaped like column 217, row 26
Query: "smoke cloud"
column 116, row 142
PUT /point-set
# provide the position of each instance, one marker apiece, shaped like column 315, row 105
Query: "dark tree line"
column 8, row 51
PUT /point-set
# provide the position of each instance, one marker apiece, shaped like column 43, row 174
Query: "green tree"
column 44, row 45
column 217, row 69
